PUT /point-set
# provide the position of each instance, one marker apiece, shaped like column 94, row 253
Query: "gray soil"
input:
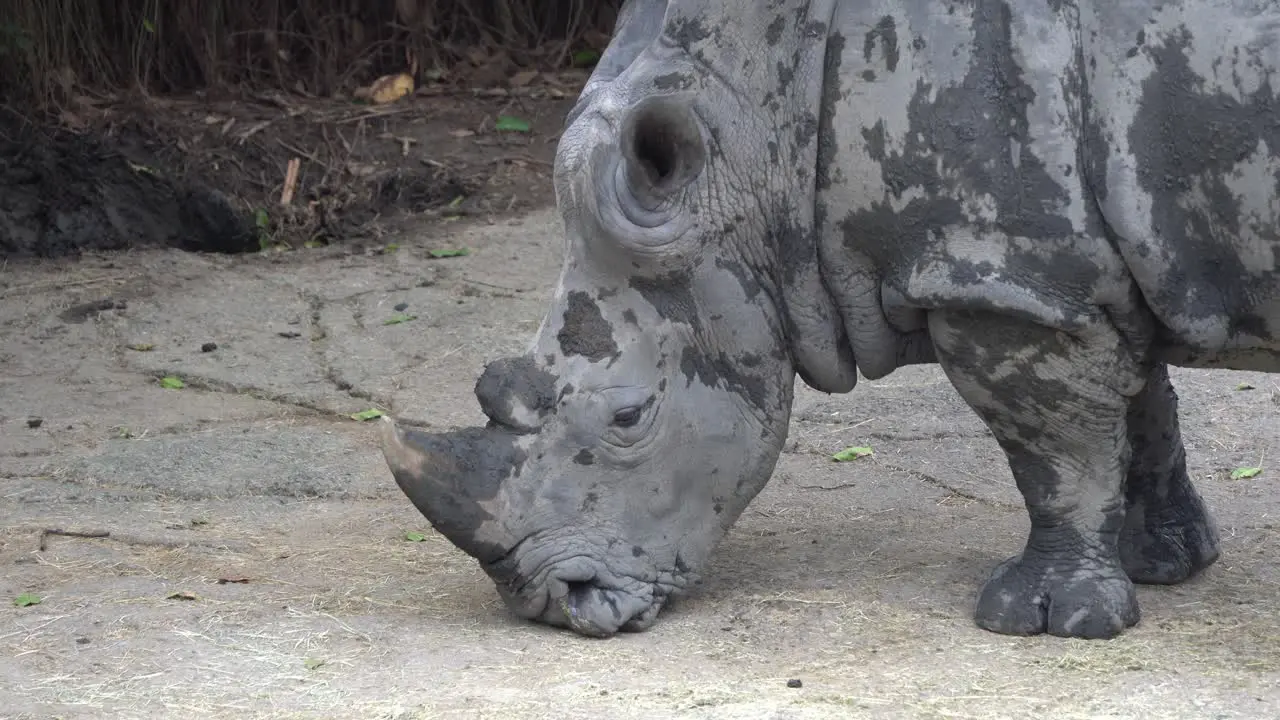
column 257, row 563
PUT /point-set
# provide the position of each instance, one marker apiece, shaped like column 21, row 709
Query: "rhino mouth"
column 581, row 593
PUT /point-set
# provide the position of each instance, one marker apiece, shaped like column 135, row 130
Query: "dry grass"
column 413, row 630
column 51, row 50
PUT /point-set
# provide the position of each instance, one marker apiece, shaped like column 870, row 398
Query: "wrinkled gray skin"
column 1055, row 200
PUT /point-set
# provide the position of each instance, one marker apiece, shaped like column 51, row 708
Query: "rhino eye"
column 627, row 417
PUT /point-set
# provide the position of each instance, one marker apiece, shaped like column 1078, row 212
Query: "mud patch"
column 62, row 193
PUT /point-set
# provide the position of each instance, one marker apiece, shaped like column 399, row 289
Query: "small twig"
column 136, row 540
column 45, row 533
column 290, row 181
column 841, row 486
column 297, row 150
column 842, row 428
column 374, row 114
column 57, row 285
column 495, row 287
column 521, row 158
column 244, row 136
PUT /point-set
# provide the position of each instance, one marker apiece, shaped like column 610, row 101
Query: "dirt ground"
column 242, row 548
column 257, row 563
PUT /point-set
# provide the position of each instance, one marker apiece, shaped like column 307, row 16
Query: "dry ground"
column 257, row 563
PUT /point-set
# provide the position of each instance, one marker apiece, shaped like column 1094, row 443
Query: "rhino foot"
column 1168, row 552
column 1058, row 404
column 1169, row 542
column 1168, row 534
column 1033, row 593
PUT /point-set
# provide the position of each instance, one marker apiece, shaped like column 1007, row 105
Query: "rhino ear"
column 662, row 149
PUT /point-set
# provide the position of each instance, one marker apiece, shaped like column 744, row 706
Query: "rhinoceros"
column 1055, row 200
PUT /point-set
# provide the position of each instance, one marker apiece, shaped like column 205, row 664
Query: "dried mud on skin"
column 207, row 175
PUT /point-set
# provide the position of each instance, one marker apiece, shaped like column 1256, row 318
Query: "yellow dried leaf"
column 387, row 88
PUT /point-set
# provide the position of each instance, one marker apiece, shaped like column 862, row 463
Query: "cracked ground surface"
column 257, row 564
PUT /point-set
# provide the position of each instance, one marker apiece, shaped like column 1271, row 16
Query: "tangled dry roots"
column 52, row 48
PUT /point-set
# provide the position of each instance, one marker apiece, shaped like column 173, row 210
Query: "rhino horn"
column 455, row 479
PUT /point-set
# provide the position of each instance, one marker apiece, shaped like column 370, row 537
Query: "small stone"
column 34, row 422
column 401, row 307
column 82, row 641
column 289, row 334
column 208, row 347
column 794, row 683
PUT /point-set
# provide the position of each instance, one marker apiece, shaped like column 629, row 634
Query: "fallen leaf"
column 461, row 133
column 414, row 536
column 399, row 318
column 234, row 579
column 851, row 453
column 182, row 595
column 512, row 123
column 370, row 414
column 170, row 382
column 387, row 88
column 583, row 58
column 448, row 253
column 312, row 663
column 142, row 347
column 522, row 78
column 26, row 599
column 1244, row 386
column 1245, row 472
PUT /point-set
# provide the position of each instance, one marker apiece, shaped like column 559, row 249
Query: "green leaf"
column 448, row 252
column 851, row 453
column 512, row 123
column 399, row 318
column 142, row 347
column 1244, row 386
column 414, row 536
column 170, row 382
column 370, row 414
column 457, row 201
column 312, row 663
column 26, row 599
column 584, row 58
column 1245, row 472
column 148, row 25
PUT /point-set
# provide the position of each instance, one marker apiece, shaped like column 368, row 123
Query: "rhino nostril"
column 578, row 592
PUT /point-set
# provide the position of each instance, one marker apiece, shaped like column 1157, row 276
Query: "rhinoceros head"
column 654, row 401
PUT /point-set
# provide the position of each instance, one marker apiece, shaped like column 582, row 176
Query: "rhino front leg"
column 1168, row 535
column 1057, row 404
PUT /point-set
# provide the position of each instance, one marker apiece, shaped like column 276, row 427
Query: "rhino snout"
column 592, row 594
